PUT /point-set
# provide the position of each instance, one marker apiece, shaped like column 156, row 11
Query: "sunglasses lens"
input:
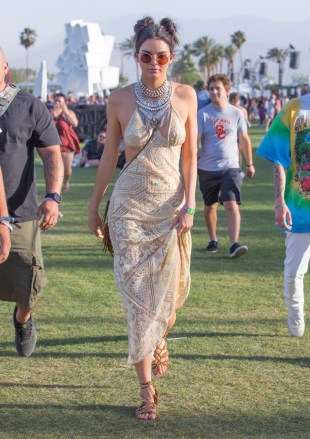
column 162, row 59
column 145, row 58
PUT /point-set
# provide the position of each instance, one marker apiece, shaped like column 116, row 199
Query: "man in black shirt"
column 93, row 150
column 26, row 124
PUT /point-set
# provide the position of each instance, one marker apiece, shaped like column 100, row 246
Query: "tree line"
column 205, row 53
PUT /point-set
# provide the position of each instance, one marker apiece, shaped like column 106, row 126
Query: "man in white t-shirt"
column 220, row 127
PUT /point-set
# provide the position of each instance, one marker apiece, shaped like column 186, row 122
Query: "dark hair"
column 146, row 29
column 59, row 95
column 233, row 97
column 221, row 78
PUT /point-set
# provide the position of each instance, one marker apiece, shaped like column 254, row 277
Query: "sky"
column 48, row 18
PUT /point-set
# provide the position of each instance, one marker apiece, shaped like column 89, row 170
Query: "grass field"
column 235, row 371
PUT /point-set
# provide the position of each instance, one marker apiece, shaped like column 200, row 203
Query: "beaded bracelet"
column 189, row 210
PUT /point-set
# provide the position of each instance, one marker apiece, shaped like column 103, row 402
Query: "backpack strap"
column 7, row 96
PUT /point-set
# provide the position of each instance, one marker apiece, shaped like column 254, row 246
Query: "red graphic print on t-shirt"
column 220, row 131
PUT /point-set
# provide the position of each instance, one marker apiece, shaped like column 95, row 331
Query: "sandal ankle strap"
column 146, row 385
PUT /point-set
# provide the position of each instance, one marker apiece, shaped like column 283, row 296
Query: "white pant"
column 295, row 267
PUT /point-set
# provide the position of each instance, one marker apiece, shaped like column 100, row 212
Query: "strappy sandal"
column 161, row 357
column 149, row 402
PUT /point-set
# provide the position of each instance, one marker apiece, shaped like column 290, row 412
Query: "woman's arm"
column 69, row 115
column 107, row 164
column 189, row 161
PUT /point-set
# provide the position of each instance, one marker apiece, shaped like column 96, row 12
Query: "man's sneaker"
column 296, row 323
column 25, row 336
column 212, row 247
column 237, row 250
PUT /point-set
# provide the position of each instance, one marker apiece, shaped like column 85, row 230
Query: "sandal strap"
column 146, row 385
column 161, row 355
column 146, row 407
column 149, row 385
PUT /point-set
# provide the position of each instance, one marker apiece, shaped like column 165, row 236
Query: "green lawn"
column 235, row 371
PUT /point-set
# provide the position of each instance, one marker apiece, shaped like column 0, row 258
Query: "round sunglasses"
column 146, row 58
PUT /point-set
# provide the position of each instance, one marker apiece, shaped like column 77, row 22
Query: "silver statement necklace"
column 150, row 101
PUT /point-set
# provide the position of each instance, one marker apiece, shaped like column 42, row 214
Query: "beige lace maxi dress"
column 145, row 200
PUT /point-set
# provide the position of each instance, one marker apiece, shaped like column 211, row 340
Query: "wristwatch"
column 53, row 196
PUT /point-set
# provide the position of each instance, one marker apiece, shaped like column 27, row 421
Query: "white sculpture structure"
column 84, row 64
column 40, row 86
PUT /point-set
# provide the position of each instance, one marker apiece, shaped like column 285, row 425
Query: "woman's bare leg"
column 144, row 374
column 67, row 158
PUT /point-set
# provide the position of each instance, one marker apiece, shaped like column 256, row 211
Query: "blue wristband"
column 189, row 210
column 10, row 219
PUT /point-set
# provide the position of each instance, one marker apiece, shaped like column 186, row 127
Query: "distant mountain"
column 261, row 34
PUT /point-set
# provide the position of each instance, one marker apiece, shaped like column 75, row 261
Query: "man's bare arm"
column 53, row 174
column 5, row 239
column 282, row 214
column 279, row 178
column 53, row 168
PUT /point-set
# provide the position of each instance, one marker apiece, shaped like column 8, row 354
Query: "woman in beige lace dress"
column 152, row 205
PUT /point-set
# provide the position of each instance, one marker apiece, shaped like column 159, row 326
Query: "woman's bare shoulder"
column 184, row 91
column 120, row 95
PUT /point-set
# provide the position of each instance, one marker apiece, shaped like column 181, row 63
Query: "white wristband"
column 7, row 224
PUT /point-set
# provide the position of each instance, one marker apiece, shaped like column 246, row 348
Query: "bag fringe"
column 106, row 241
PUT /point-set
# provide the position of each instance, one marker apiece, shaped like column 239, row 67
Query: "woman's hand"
column 95, row 224
column 183, row 222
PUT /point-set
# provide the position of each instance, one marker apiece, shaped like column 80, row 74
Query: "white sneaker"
column 296, row 323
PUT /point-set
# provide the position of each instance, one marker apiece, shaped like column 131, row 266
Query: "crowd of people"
column 153, row 126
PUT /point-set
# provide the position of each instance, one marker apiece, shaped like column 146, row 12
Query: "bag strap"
column 134, row 158
column 11, row 91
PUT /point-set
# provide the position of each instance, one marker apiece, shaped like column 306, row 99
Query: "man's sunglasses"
column 146, row 58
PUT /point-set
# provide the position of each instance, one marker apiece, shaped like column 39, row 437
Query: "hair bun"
column 171, row 28
column 141, row 24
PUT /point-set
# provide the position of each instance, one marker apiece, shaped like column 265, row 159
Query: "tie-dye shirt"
column 288, row 144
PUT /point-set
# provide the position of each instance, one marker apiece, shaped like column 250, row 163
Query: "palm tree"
column 187, row 52
column 128, row 49
column 184, row 69
column 279, row 56
column 238, row 39
column 27, row 39
column 220, row 49
column 216, row 58
column 202, row 48
column 230, row 52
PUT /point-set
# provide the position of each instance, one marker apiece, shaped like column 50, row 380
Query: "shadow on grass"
column 116, row 338
column 52, row 386
column 111, row 421
column 299, row 361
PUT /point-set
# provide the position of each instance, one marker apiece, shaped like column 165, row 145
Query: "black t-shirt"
column 93, row 153
column 26, row 124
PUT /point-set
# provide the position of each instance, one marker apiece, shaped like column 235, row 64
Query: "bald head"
column 4, row 67
column 2, row 57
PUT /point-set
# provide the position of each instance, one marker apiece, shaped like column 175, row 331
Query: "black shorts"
column 220, row 186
